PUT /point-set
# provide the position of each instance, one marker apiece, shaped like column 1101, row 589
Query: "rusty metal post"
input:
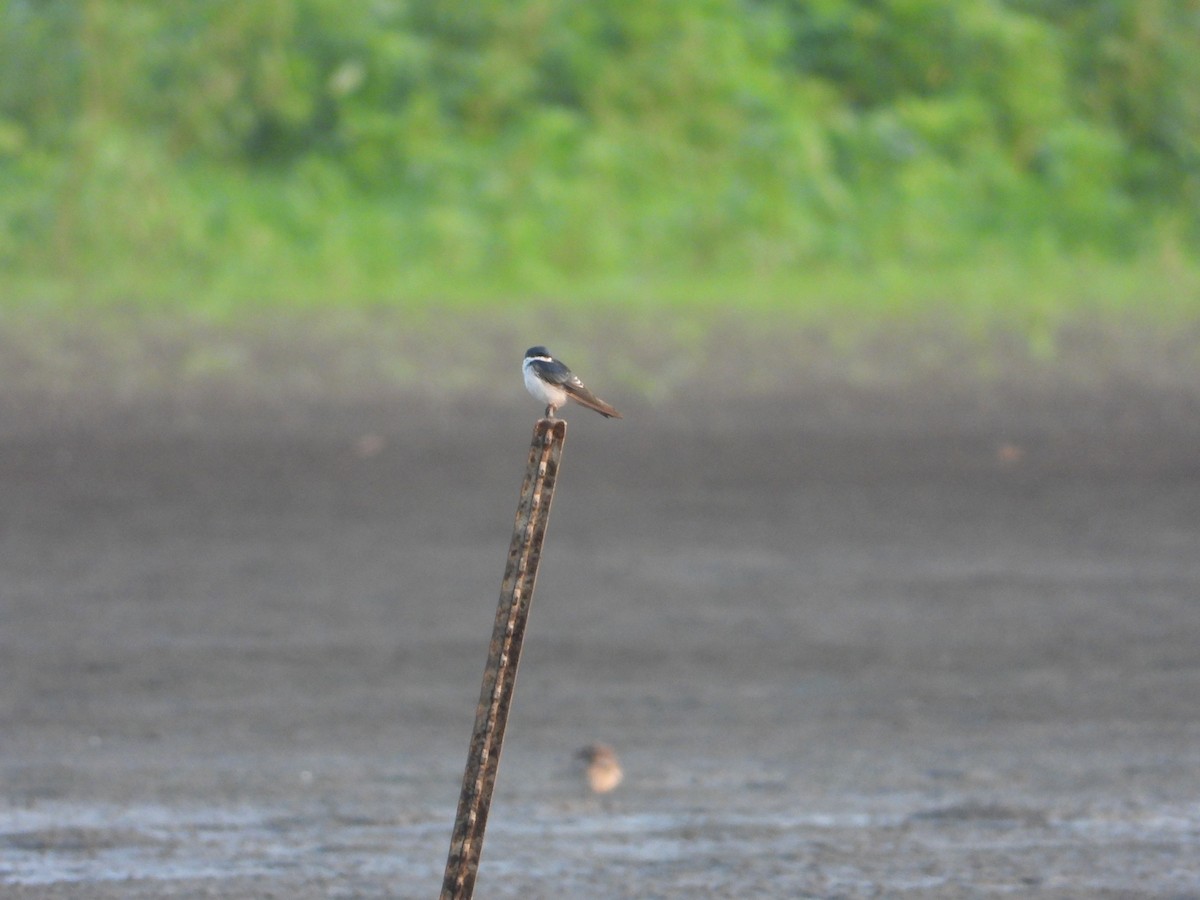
column 500, row 675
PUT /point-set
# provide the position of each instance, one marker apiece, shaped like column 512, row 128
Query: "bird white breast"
column 550, row 394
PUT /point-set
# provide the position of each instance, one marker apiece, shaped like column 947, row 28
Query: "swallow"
column 552, row 383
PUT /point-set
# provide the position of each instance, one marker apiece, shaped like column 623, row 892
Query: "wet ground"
column 867, row 643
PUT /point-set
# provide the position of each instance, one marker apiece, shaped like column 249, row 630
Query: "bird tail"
column 591, row 401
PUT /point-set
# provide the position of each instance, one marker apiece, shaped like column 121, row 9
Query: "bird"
column 600, row 769
column 551, row 382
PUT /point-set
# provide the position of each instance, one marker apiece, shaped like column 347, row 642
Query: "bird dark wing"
column 554, row 372
column 578, row 392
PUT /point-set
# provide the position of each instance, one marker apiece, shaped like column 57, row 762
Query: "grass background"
column 214, row 176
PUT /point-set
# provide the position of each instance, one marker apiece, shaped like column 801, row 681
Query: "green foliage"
column 231, row 149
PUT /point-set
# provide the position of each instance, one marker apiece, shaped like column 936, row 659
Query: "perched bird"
column 551, row 382
column 600, row 768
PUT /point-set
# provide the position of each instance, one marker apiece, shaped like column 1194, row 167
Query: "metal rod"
column 500, row 674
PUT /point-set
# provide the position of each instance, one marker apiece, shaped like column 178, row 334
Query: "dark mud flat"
column 875, row 645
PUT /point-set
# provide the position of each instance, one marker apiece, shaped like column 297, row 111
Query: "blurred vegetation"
column 777, row 152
